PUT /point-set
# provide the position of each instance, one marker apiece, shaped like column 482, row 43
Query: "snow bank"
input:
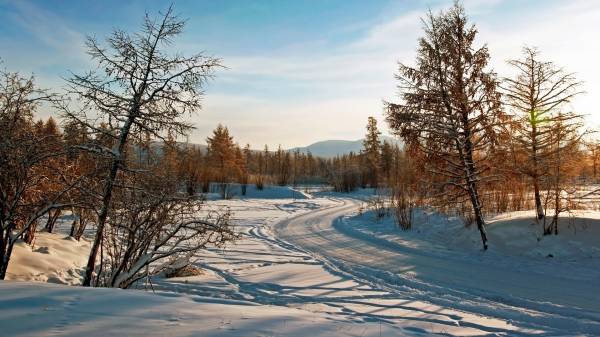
column 54, row 258
column 512, row 234
column 517, row 233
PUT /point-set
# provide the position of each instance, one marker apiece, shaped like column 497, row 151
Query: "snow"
column 515, row 280
column 37, row 309
column 55, row 258
column 517, row 235
column 313, row 266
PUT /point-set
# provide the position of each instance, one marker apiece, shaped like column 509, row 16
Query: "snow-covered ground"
column 54, row 258
column 39, row 309
column 314, row 267
column 547, row 282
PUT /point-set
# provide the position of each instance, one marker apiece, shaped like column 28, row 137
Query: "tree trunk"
column 474, row 196
column 536, row 176
column 52, row 217
column 80, row 228
column 3, row 246
column 107, row 196
column 73, row 228
column 539, row 208
column 30, row 233
column 471, row 181
column 6, row 258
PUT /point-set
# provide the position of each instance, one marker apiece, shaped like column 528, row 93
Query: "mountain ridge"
column 326, row 148
column 337, row 147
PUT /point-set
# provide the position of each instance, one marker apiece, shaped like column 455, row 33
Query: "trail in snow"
column 262, row 268
column 550, row 303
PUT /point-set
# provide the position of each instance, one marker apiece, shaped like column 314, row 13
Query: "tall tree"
column 137, row 87
column 450, row 106
column 221, row 155
column 372, row 152
column 535, row 96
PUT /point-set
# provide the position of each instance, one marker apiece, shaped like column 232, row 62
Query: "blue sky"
column 300, row 71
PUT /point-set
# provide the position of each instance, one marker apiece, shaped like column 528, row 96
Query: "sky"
column 301, row 71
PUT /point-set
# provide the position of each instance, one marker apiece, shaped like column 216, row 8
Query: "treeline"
column 225, row 162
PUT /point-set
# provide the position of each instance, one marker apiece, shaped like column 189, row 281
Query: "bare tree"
column 32, row 182
column 535, row 95
column 139, row 87
column 450, row 106
column 154, row 226
column 594, row 154
column 565, row 141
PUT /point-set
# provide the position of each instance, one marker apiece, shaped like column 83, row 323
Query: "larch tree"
column 241, row 169
column 565, row 141
column 450, row 106
column 138, row 86
column 84, row 165
column 535, row 96
column 372, row 152
column 221, row 156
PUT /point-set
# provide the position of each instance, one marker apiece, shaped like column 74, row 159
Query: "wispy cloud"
column 350, row 80
column 313, row 89
column 55, row 40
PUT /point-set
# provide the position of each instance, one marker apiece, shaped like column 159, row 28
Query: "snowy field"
column 313, row 266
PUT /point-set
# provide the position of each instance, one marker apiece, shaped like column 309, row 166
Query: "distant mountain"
column 332, row 148
column 326, row 148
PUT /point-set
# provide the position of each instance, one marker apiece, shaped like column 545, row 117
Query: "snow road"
column 553, row 303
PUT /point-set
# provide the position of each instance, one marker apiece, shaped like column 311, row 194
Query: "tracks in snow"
column 397, row 272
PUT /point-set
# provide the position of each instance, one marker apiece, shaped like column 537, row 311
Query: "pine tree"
column 372, row 152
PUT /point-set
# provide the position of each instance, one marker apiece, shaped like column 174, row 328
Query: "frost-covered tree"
column 138, row 86
column 449, row 107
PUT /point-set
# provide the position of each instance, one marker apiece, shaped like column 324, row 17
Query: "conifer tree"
column 535, row 97
column 372, row 152
column 221, row 156
column 450, row 107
